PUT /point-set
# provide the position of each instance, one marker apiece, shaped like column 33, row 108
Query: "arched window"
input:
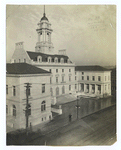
column 57, row 91
column 52, row 59
column 56, row 60
column 63, row 89
column 62, row 60
column 49, row 59
column 43, row 106
column 39, row 59
column 14, row 110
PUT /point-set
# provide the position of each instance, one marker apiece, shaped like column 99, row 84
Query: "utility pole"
column 27, row 111
column 77, row 106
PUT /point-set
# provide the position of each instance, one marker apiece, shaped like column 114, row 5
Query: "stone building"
column 62, row 69
column 93, row 80
column 39, row 95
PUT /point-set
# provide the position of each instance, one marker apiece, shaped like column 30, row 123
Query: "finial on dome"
column 44, row 11
column 44, row 16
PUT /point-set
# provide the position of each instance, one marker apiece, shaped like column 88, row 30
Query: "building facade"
column 39, row 95
column 93, row 80
column 62, row 80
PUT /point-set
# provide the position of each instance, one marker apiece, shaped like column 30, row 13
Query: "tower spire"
column 44, row 10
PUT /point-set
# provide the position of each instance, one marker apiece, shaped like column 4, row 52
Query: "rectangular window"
column 56, row 79
column 43, row 88
column 75, row 72
column 14, row 91
column 93, row 78
column 69, row 87
column 6, row 109
column 87, row 77
column 56, row 70
column 62, row 78
column 75, row 86
column 75, row 77
column 99, row 78
column 105, row 87
column 82, row 73
column 69, row 70
column 69, row 78
column 62, row 70
column 105, row 78
column 6, row 89
column 82, row 77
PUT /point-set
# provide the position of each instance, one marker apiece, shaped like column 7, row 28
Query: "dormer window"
column 56, row 60
column 65, row 61
column 49, row 59
column 69, row 61
column 39, row 59
column 62, row 60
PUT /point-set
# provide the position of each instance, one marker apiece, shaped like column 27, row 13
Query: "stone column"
column 95, row 89
column 85, row 87
column 50, row 37
column 79, row 86
column 102, row 89
column 38, row 37
column 43, row 35
column 90, row 88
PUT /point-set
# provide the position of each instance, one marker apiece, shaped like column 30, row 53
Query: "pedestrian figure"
column 70, row 117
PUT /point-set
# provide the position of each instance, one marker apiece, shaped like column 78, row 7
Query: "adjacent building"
column 93, row 80
column 39, row 95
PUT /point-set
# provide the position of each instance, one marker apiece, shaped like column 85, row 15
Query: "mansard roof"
column 24, row 68
column 34, row 55
column 90, row 68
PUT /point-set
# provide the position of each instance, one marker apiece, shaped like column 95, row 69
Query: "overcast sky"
column 87, row 32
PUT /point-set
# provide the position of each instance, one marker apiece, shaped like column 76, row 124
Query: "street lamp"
column 77, row 106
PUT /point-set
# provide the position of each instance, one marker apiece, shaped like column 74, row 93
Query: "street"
column 96, row 129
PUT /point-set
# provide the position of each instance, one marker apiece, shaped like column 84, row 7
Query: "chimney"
column 62, row 52
column 19, row 45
